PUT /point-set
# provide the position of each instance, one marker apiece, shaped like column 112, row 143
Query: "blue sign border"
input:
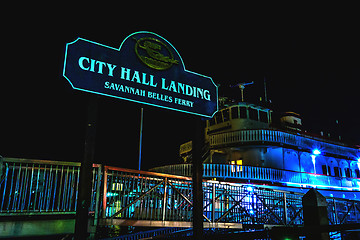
column 146, row 103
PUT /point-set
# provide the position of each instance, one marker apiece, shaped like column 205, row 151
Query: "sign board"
column 146, row 69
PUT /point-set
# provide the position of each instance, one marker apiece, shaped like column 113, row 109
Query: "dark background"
column 309, row 57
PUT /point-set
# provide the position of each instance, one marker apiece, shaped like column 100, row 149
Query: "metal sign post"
column 84, row 198
column 198, row 141
column 140, row 136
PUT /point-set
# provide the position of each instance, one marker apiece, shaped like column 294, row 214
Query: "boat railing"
column 227, row 171
column 279, row 137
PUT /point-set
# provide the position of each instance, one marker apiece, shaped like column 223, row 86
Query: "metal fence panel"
column 38, row 186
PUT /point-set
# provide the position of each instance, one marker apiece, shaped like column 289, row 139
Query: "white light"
column 249, row 189
column 316, row 152
column 313, row 159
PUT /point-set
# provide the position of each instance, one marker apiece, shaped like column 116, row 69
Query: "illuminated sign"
column 146, row 69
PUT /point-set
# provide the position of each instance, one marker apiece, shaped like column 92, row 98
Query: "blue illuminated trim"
column 319, row 186
column 144, row 32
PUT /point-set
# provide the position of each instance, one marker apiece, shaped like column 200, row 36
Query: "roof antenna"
column 265, row 91
column 242, row 87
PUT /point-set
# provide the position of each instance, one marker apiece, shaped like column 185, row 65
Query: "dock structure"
column 40, row 196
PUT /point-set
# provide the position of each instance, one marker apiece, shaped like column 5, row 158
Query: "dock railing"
column 158, row 198
column 140, row 198
column 31, row 186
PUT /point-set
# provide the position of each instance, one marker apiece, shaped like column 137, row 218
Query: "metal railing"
column 225, row 171
column 343, row 211
column 49, row 187
column 280, row 137
column 139, row 195
column 247, row 204
column 41, row 187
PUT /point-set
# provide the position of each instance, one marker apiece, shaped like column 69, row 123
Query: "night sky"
column 310, row 61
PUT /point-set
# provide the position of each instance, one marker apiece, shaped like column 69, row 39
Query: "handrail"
column 37, row 161
column 280, row 137
column 156, row 174
column 263, row 174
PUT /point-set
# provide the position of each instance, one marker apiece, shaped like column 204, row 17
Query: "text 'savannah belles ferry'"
column 246, row 143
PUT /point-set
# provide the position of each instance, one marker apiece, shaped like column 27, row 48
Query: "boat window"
column 253, row 114
column 234, row 112
column 236, row 162
column 337, row 171
column 263, row 117
column 243, row 112
column 324, row 170
column 225, row 113
column 237, row 168
column 218, row 117
column 357, row 172
column 348, row 172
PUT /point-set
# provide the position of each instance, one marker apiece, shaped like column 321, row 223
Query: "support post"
column 84, row 198
column 97, row 196
column 104, row 202
column 164, row 200
column 140, row 135
column 285, row 220
column 213, row 203
column 198, row 141
column 335, row 212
